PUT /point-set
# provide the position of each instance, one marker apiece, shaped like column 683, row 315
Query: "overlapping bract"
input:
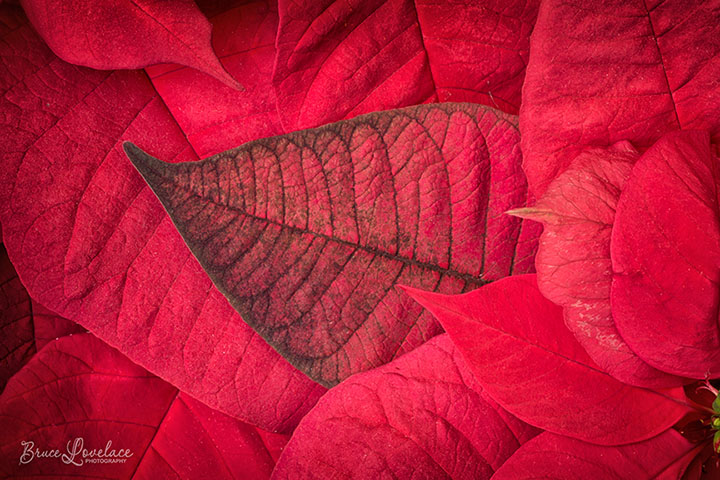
column 604, row 72
column 523, row 356
column 340, row 59
column 90, row 242
column 630, row 245
column 116, row 34
column 421, row 416
column 99, row 396
column 529, row 362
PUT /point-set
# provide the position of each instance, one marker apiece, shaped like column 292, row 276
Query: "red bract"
column 602, row 72
column 340, row 59
column 573, row 261
column 25, row 325
column 522, row 355
column 661, row 262
column 420, row 416
column 666, row 257
column 561, row 458
column 215, row 117
column 515, row 341
column 16, row 327
column 308, row 233
column 90, row 241
column 114, row 34
column 98, row 396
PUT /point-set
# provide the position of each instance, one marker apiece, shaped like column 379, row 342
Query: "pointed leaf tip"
column 131, row 150
column 529, row 213
column 508, row 332
column 144, row 163
column 315, row 225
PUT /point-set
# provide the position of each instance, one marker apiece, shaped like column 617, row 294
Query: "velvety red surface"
column 99, row 396
column 341, row 59
column 602, row 72
column 91, row 242
column 562, row 458
column 114, row 34
column 213, row 116
column 523, row 355
column 25, row 325
column 309, row 233
column 573, row 262
column 666, row 257
column 420, row 416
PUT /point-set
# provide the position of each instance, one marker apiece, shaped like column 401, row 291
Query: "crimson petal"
column 116, row 34
column 602, row 72
column 528, row 361
column 666, row 257
column 420, row 416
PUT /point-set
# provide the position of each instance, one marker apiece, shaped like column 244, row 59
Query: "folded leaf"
column 525, row 358
column 421, row 416
column 308, row 233
column 79, row 388
column 111, row 35
column 90, row 241
column 340, row 59
column 602, row 72
column 215, row 117
column 573, row 261
column 562, row 458
column 666, row 257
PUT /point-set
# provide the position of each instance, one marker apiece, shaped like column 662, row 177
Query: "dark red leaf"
column 421, row 416
column 49, row 326
column 573, row 261
column 25, row 325
column 561, row 458
column 308, row 233
column 90, row 241
column 16, row 328
column 601, row 72
column 78, row 387
column 115, row 34
column 528, row 361
column 340, row 59
column 666, row 257
column 215, row 117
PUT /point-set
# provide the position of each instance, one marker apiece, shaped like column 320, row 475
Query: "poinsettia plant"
column 299, row 239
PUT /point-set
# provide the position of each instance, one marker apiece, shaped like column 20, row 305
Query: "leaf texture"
column 339, row 59
column 90, row 242
column 561, row 458
column 603, row 72
column 78, row 387
column 213, row 116
column 573, row 262
column 667, row 311
column 25, row 325
column 525, row 358
column 110, row 35
column 421, row 416
column 308, row 233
